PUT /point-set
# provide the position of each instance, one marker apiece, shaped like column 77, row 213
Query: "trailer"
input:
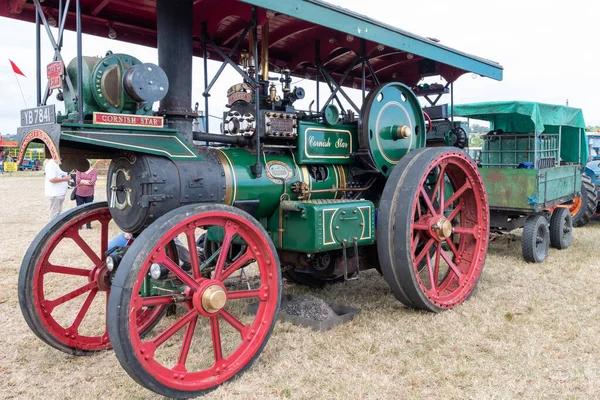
column 215, row 219
column 532, row 166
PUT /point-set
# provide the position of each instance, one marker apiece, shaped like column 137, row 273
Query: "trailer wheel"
column 52, row 283
column 536, row 239
column 561, row 229
column 431, row 246
column 584, row 207
column 212, row 340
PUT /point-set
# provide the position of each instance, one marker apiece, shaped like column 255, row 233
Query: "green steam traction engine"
column 217, row 219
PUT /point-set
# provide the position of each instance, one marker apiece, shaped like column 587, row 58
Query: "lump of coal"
column 308, row 307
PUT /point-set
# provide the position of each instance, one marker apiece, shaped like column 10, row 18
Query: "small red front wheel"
column 64, row 282
column 210, row 339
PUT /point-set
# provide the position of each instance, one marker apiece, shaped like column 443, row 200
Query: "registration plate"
column 38, row 116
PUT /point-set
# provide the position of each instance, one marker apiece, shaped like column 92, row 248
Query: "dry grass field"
column 530, row 331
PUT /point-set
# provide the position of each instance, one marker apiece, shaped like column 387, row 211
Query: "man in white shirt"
column 56, row 186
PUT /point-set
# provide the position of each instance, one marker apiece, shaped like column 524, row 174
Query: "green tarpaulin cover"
column 529, row 117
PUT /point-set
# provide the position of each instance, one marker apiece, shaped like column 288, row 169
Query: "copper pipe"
column 264, row 51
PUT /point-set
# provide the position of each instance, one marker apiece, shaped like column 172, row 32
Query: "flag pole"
column 20, row 89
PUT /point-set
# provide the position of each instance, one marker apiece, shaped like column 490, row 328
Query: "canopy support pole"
column 373, row 74
column 331, row 89
column 451, row 103
column 79, row 61
column 363, row 55
column 339, row 88
column 38, row 61
column 336, row 87
column 55, row 46
column 257, row 167
column 206, row 93
column 317, row 63
column 228, row 61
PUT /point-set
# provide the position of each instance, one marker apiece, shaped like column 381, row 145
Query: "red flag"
column 16, row 69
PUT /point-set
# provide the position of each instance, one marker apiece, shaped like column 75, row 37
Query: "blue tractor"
column 592, row 168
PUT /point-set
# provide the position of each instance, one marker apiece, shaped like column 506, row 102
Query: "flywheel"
column 392, row 124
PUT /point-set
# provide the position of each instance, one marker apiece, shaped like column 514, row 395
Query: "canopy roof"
column 530, row 117
column 294, row 27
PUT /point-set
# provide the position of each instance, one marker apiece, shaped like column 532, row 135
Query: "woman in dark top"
column 84, row 191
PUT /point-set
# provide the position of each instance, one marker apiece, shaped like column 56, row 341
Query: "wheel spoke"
column 185, row 346
column 242, row 294
column 439, row 187
column 84, row 309
column 468, row 231
column 458, row 193
column 58, row 269
column 237, row 264
column 193, row 250
column 71, row 295
column 427, row 201
column 436, row 266
column 424, row 251
column 86, row 248
column 432, row 278
column 451, row 264
column 233, row 321
column 179, row 273
column 171, row 330
column 453, row 248
column 455, row 212
column 104, row 237
column 420, row 227
column 416, row 240
column 162, row 300
column 227, row 239
column 215, row 333
column 419, row 212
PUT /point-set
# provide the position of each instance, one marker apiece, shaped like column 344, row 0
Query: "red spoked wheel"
column 64, row 282
column 212, row 338
column 433, row 227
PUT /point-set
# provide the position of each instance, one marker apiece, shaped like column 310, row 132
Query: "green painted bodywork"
column 323, row 225
column 268, row 189
column 158, row 141
column 323, row 144
column 530, row 190
column 94, row 99
column 360, row 26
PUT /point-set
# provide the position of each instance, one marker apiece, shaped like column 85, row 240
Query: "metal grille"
column 508, row 150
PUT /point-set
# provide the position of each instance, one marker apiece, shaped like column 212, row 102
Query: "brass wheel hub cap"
column 213, row 299
column 443, row 228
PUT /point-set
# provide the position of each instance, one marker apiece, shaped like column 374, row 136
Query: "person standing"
column 84, row 191
column 56, row 184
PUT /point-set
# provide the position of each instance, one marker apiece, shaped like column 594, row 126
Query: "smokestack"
column 174, row 31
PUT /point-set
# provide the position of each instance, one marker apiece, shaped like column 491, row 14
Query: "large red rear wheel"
column 433, row 227
column 64, row 282
column 211, row 339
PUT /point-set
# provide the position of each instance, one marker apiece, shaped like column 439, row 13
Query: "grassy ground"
column 530, row 331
